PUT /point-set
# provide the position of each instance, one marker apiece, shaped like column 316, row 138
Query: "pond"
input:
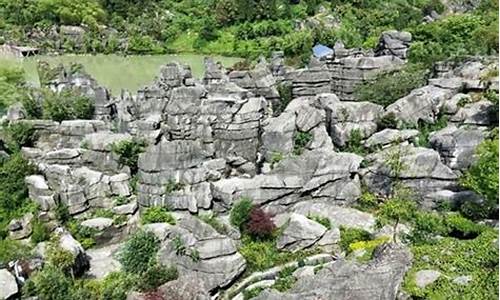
column 117, row 72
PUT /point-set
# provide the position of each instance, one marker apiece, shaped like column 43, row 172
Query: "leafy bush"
column 240, row 213
column 367, row 202
column 41, row 232
column 368, row 247
column 11, row 250
column 395, row 210
column 388, row 121
column 260, row 225
column 211, row 219
column 355, row 143
column 285, row 280
column 476, row 257
column 426, row 128
column 19, row 134
column 139, row 251
column 391, row 86
column 59, row 258
column 321, row 220
column 128, row 152
column 157, row 214
column 285, row 92
column 67, row 105
column 85, row 235
column 263, row 254
column 11, row 87
column 352, row 235
column 116, row 285
column 276, row 157
column 156, row 276
column 300, row 141
column 52, row 284
column 482, row 178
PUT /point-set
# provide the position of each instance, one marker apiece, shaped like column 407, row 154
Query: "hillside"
column 367, row 173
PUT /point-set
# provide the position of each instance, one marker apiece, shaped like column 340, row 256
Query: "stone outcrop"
column 379, row 279
column 422, row 171
column 205, row 254
column 8, row 284
column 396, row 43
column 300, row 232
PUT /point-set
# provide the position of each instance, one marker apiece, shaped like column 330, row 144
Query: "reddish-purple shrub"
column 260, row 224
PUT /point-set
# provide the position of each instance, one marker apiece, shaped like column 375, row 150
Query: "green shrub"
column 396, row 210
column 391, row 86
column 52, row 284
column 85, row 235
column 461, row 227
column 157, row 214
column 426, row 225
column 285, row 92
column 128, row 152
column 453, row 257
column 276, row 157
column 67, row 105
column 155, row 276
column 12, row 250
column 252, row 293
column 368, row 247
column 352, row 235
column 367, row 202
column 62, row 213
column 41, row 232
column 116, row 285
column 19, row 134
column 139, row 252
column 300, row 141
column 387, row 121
column 240, row 213
column 355, row 143
column 211, row 219
column 482, row 178
column 263, row 254
column 425, row 129
column 321, row 220
column 59, row 258
column 12, row 87
column 285, row 280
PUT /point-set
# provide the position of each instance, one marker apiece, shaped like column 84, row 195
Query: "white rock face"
column 8, row 284
column 425, row 277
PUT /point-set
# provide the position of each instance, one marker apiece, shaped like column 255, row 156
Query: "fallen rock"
column 424, row 278
column 300, row 233
column 99, row 223
column 8, row 284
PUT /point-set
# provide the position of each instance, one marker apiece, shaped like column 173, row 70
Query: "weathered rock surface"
column 379, row 279
column 389, row 137
column 423, row 170
column 425, row 277
column 8, row 284
column 300, row 233
column 218, row 262
column 457, row 146
column 102, row 261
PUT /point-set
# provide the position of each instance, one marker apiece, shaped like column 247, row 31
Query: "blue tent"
column 321, row 51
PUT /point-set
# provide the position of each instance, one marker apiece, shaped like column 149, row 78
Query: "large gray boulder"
column 8, row 284
column 395, row 43
column 207, row 255
column 388, row 137
column 424, row 278
column 479, row 113
column 346, row 117
column 300, row 233
column 422, row 170
column 345, row 280
column 422, row 104
column 457, row 146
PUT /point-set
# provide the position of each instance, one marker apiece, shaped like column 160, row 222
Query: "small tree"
column 240, row 213
column 128, row 152
column 260, row 224
column 139, row 252
column 396, row 210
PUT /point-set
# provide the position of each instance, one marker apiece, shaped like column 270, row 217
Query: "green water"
column 117, row 72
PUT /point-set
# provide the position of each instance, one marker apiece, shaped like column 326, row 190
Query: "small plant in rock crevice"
column 173, row 186
column 300, row 141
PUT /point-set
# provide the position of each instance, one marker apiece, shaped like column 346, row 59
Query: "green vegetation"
column 285, row 91
column 128, row 152
column 173, row 186
column 17, row 135
column 396, row 210
column 321, row 220
column 85, row 235
column 426, row 128
column 139, row 252
column 453, row 257
column 211, row 219
column 12, row 249
column 157, row 214
column 67, row 105
column 285, row 279
column 349, row 236
column 276, row 157
column 12, row 87
column 482, row 178
column 391, row 86
column 263, row 254
column 355, row 143
column 300, row 142
column 240, row 213
column 156, row 276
